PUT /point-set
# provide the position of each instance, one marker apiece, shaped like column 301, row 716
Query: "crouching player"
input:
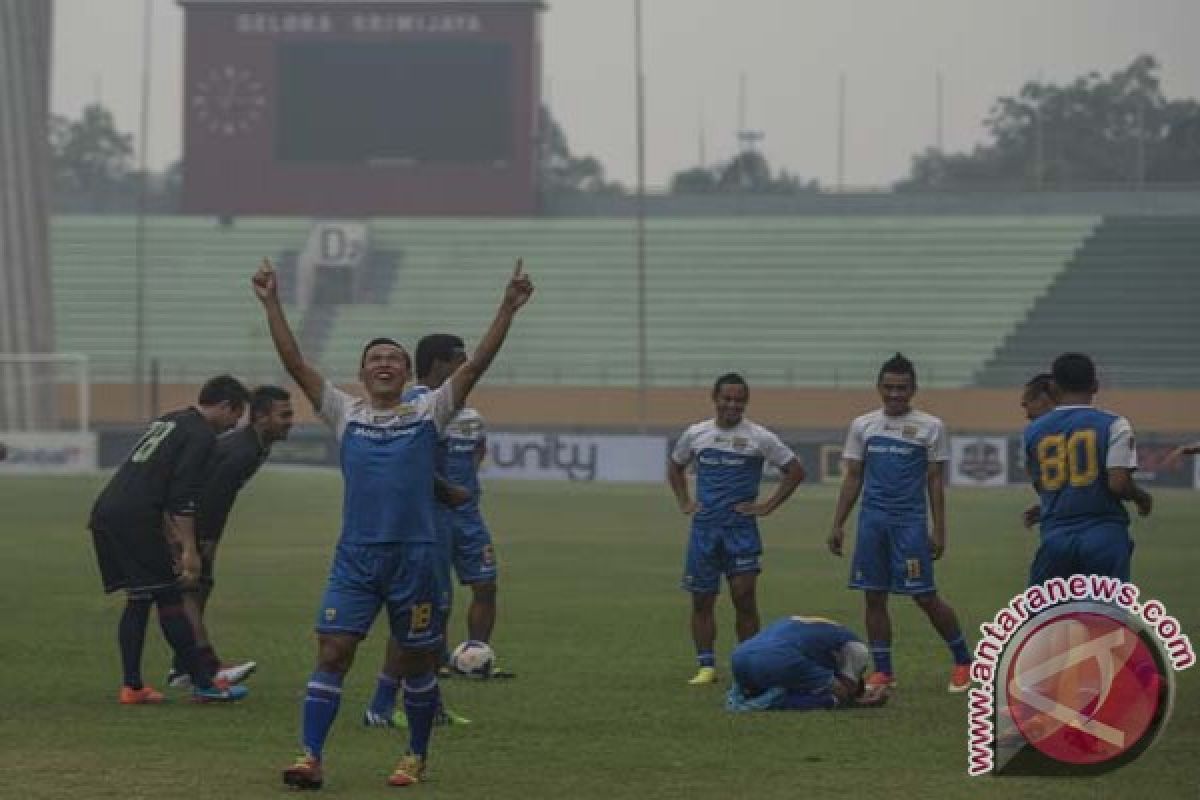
column 802, row 664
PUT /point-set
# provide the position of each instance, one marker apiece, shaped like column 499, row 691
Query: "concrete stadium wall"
column 1168, row 412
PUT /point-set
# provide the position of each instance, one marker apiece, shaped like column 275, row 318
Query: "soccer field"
column 592, row 620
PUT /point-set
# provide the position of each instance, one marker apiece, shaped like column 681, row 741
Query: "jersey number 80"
column 1073, row 459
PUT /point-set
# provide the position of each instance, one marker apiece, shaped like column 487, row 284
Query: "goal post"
column 45, row 413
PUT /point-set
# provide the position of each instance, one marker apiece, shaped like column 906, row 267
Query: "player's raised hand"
column 836, row 537
column 519, row 289
column 265, row 282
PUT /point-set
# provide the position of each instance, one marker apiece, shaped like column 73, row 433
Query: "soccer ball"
column 473, row 658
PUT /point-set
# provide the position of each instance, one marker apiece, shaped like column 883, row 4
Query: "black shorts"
column 134, row 559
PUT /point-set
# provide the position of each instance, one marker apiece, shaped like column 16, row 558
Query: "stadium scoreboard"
column 360, row 108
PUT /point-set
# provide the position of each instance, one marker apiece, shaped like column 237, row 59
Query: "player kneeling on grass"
column 802, row 664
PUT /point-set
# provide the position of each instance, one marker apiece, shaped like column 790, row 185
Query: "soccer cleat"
column 236, row 673
column 873, row 696
column 444, row 672
column 179, row 680
column 703, row 677
column 219, row 692
column 498, row 674
column 884, row 679
column 410, row 771
column 304, row 774
column 373, row 719
column 144, row 696
column 445, row 719
column 960, row 679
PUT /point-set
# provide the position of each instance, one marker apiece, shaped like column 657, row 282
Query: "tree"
column 90, row 156
column 747, row 173
column 1119, row 129
column 560, row 172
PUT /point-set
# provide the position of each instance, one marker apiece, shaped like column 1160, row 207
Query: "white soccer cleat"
column 236, row 673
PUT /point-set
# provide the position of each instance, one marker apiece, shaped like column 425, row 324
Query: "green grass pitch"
column 591, row 619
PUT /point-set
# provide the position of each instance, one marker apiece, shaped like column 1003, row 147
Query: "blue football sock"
column 383, row 702
column 321, row 701
column 807, row 701
column 706, row 658
column 422, row 699
column 958, row 648
column 881, row 654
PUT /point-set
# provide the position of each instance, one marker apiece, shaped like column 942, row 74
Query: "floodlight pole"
column 139, row 240
column 640, row 93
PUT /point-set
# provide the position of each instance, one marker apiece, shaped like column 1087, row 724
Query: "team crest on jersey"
column 330, row 614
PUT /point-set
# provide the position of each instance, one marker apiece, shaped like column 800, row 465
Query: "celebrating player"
column 1081, row 461
column 387, row 554
column 144, row 515
column 235, row 459
column 894, row 456
column 729, row 451
column 801, row 664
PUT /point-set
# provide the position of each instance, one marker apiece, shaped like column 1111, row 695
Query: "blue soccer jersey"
column 896, row 453
column 799, row 653
column 1069, row 452
column 729, row 466
column 388, row 461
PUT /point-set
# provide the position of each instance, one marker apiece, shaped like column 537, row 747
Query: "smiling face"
column 384, row 371
column 729, row 402
column 896, row 390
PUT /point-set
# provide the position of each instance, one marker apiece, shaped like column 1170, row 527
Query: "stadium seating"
column 1129, row 298
column 802, row 300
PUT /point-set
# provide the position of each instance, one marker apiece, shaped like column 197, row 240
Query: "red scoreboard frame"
column 230, row 110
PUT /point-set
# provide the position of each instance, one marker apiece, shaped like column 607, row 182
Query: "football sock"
column 807, row 701
column 421, row 702
column 383, row 702
column 321, row 700
column 706, row 658
column 177, row 630
column 881, row 654
column 131, row 637
column 958, row 648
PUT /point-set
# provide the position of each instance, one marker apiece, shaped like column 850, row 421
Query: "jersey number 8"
column 1068, row 458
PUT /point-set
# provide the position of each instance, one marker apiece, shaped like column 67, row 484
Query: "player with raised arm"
column 802, row 664
column 387, row 554
column 1081, row 461
column 143, row 529
column 730, row 452
column 894, row 457
column 236, row 458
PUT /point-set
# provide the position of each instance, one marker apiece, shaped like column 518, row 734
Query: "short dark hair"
column 436, row 347
column 898, row 365
column 1074, row 372
column 1042, row 383
column 224, row 389
column 730, row 379
column 264, row 397
column 362, row 360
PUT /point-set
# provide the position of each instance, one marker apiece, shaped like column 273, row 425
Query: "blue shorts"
column 892, row 556
column 402, row 577
column 771, row 668
column 715, row 551
column 1104, row 549
column 473, row 554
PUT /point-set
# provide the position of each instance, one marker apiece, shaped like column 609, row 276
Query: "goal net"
column 45, row 413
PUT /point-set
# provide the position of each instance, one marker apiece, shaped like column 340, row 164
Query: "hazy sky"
column 791, row 52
